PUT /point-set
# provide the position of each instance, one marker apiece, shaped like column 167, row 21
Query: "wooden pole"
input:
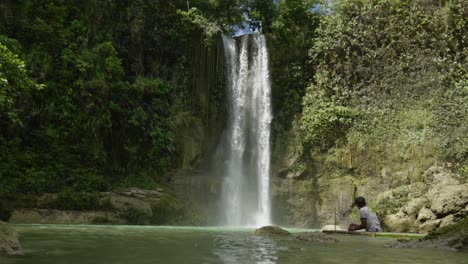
column 335, row 216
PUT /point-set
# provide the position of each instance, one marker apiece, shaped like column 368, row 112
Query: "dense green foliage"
column 100, row 95
column 395, row 71
column 385, row 98
column 114, row 76
column 294, row 34
column 115, row 82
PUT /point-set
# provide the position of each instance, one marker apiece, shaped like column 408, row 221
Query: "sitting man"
column 369, row 220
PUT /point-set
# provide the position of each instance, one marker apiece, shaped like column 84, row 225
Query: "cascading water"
column 246, row 182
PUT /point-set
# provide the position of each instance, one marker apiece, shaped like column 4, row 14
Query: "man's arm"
column 354, row 227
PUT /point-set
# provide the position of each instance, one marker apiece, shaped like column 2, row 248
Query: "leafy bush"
column 325, row 122
column 5, row 211
column 452, row 119
column 15, row 88
column 401, row 66
column 75, row 201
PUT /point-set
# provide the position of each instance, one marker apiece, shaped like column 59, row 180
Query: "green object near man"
column 369, row 220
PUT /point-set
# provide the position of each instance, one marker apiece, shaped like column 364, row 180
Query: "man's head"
column 360, row 202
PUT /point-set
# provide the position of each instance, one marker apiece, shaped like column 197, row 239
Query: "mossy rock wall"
column 313, row 189
column 196, row 184
column 198, row 131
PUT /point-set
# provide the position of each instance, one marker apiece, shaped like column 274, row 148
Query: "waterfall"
column 246, row 182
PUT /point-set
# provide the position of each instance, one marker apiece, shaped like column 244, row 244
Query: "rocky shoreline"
column 452, row 237
column 9, row 243
column 440, row 200
column 133, row 206
column 314, row 237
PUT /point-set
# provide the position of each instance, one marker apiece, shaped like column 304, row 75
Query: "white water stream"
column 246, row 183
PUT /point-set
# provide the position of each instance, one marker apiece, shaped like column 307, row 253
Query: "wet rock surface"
column 453, row 237
column 131, row 206
column 9, row 243
column 440, row 200
column 315, row 237
column 272, row 231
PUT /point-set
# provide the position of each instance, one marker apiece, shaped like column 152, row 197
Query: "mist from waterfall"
column 246, row 182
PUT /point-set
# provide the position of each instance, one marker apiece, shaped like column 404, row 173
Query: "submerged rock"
column 9, row 243
column 272, row 231
column 315, row 237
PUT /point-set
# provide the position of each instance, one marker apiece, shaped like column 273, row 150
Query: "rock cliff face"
column 198, row 132
column 440, row 199
column 196, row 183
column 312, row 189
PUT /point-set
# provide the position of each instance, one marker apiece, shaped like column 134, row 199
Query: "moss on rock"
column 452, row 237
column 271, row 231
column 9, row 243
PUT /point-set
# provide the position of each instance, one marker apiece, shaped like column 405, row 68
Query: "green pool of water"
column 142, row 244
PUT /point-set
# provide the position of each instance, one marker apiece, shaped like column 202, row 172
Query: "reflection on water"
column 237, row 248
column 141, row 245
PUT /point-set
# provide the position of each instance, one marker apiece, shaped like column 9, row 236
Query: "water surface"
column 142, row 244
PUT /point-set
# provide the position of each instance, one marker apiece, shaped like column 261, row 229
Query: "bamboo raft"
column 375, row 234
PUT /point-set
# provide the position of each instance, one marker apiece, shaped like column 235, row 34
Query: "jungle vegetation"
column 90, row 91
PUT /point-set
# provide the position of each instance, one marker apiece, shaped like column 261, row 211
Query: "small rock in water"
column 315, row 237
column 404, row 240
column 271, row 231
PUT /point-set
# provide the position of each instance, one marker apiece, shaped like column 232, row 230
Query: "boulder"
column 429, row 226
column 425, row 215
column 272, row 231
column 439, row 176
column 413, row 207
column 448, row 220
column 399, row 198
column 153, row 207
column 9, row 243
column 428, row 175
column 399, row 222
column 134, row 210
column 449, row 199
column 438, row 201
